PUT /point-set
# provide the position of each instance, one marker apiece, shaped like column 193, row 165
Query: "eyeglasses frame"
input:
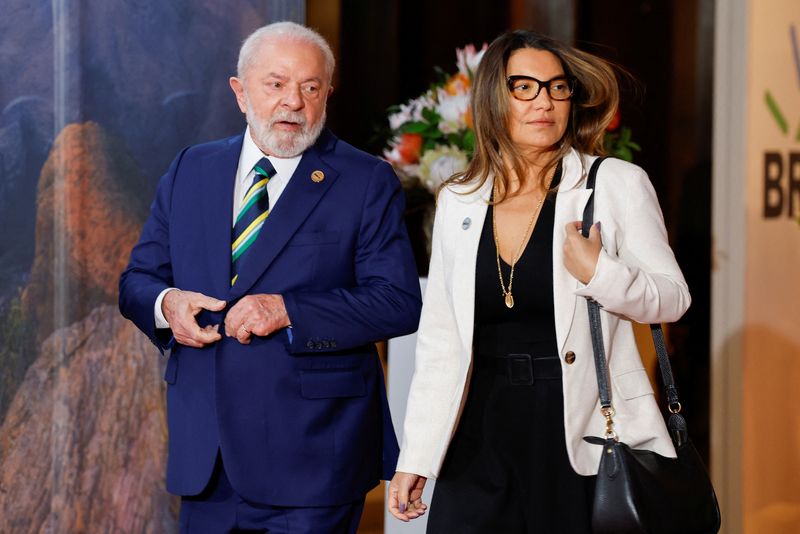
column 546, row 84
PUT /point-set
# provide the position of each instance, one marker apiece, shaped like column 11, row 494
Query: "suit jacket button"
column 310, row 344
column 326, row 344
column 333, row 344
column 318, row 346
column 569, row 357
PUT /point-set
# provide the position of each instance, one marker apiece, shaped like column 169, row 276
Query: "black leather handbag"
column 640, row 491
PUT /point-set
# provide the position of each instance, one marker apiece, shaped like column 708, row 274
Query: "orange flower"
column 614, row 124
column 468, row 118
column 409, row 147
column 457, row 84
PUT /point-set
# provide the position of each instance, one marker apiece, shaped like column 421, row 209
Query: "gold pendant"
column 509, row 300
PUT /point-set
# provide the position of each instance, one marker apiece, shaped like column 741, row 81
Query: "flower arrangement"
column 432, row 137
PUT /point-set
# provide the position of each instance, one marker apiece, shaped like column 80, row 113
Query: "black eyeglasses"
column 528, row 88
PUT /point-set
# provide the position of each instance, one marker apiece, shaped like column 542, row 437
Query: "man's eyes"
column 309, row 89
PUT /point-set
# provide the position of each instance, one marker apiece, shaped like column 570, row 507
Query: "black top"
column 528, row 327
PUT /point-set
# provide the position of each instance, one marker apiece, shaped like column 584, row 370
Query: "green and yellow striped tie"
column 252, row 214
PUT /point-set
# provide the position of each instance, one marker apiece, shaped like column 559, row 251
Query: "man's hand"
column 258, row 315
column 581, row 254
column 405, row 496
column 180, row 309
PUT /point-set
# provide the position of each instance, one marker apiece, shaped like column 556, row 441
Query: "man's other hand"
column 258, row 315
column 180, row 309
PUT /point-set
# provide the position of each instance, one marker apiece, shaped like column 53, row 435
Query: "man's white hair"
column 288, row 30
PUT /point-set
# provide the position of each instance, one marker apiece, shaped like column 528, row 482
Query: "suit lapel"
column 473, row 206
column 216, row 187
column 571, row 199
column 295, row 204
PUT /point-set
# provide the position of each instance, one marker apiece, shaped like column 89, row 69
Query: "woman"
column 505, row 389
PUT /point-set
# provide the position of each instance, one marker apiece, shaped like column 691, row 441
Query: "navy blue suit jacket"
column 300, row 420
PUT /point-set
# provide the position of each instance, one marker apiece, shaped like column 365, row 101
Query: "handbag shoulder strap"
column 601, row 365
column 588, row 211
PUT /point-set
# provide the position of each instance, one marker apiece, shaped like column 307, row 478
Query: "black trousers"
column 507, row 469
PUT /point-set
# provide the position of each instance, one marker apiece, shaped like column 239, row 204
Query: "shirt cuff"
column 161, row 321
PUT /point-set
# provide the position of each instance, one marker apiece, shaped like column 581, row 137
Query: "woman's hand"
column 580, row 254
column 405, row 496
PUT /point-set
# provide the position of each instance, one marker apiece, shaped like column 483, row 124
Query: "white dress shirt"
column 249, row 156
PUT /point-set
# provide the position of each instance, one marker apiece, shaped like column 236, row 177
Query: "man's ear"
column 238, row 90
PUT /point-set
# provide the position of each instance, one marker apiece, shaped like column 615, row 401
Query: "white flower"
column 396, row 120
column 467, row 59
column 453, row 110
column 411, row 111
column 402, row 167
column 440, row 163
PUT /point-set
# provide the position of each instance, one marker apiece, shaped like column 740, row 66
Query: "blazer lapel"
column 474, row 207
column 216, row 188
column 296, row 202
column 571, row 199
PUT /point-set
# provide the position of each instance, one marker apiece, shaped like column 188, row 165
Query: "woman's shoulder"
column 465, row 192
column 620, row 167
column 621, row 180
column 612, row 170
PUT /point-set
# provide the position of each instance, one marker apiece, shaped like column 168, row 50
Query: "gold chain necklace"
column 509, row 298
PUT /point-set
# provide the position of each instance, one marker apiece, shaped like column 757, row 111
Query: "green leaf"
column 414, row 127
column 431, row 115
column 429, row 144
column 469, row 142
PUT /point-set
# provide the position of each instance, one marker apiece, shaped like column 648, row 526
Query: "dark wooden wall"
column 388, row 51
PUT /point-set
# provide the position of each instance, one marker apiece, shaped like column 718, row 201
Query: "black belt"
column 522, row 369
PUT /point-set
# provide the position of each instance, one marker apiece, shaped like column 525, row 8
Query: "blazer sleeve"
column 150, row 270
column 637, row 275
column 385, row 301
column 435, row 392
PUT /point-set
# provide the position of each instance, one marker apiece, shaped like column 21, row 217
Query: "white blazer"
column 636, row 279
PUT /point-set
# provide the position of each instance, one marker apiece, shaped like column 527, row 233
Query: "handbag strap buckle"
column 608, row 412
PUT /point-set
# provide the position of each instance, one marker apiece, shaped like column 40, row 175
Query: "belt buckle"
column 520, row 369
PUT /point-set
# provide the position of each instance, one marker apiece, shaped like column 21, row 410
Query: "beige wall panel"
column 771, row 358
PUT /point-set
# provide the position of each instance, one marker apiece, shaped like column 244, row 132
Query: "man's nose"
column 293, row 99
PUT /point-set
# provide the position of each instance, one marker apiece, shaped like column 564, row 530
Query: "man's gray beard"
column 284, row 144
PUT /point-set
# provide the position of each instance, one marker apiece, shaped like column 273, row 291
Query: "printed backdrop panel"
column 771, row 358
column 96, row 98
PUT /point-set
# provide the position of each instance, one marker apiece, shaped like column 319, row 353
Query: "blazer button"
column 318, row 346
column 310, row 344
column 569, row 357
column 326, row 344
column 333, row 344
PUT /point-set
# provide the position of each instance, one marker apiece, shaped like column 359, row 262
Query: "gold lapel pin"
column 317, row 176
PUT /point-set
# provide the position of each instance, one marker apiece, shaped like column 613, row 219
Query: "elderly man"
column 270, row 264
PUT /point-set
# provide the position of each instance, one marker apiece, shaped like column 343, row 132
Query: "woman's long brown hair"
column 594, row 102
